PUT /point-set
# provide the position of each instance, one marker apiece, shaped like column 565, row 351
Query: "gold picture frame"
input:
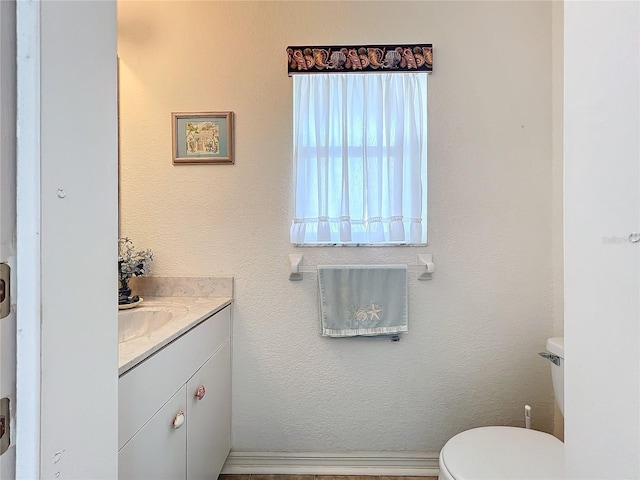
column 202, row 138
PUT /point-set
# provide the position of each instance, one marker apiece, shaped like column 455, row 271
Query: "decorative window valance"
column 360, row 59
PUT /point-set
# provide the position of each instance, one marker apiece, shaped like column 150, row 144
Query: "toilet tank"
column 555, row 346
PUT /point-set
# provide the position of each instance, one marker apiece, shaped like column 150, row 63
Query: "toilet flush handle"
column 551, row 357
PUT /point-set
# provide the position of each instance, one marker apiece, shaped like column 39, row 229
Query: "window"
column 360, row 155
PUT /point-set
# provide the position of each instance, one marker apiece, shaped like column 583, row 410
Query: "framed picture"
column 202, row 138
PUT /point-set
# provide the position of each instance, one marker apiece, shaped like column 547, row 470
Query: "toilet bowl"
column 509, row 453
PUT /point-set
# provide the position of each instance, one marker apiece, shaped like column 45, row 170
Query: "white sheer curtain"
column 360, row 155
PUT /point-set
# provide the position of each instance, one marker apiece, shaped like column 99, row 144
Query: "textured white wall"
column 470, row 356
column 602, row 268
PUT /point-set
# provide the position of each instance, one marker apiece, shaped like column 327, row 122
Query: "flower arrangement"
column 131, row 263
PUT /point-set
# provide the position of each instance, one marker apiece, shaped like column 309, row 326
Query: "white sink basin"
column 145, row 319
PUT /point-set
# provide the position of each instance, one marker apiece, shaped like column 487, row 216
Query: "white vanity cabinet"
column 191, row 375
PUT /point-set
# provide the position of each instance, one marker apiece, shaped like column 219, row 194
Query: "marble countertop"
column 136, row 350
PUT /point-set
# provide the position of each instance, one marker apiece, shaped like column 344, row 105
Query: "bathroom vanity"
column 174, row 388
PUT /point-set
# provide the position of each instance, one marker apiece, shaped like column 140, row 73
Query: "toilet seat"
column 502, row 453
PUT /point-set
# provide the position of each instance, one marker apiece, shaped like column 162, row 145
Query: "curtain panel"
column 360, row 159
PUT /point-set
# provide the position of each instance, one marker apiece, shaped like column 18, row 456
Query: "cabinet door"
column 209, row 423
column 158, row 450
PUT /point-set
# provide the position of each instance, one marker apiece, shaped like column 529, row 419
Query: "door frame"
column 67, row 236
column 28, row 234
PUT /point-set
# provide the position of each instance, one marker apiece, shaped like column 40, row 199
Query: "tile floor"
column 319, row 477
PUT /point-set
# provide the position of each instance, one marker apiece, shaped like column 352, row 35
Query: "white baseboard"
column 411, row 464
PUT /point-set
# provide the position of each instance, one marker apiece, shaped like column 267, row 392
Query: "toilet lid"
column 503, row 453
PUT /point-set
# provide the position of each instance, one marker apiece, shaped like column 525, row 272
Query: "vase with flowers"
column 131, row 263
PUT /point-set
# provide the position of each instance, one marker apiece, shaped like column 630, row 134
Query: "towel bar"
column 424, row 266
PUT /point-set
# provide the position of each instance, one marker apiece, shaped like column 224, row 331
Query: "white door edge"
column 8, row 230
column 28, row 234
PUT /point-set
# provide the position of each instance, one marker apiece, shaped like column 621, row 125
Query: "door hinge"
column 5, row 290
column 5, row 425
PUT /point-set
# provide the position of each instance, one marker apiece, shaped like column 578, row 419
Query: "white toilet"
column 509, row 453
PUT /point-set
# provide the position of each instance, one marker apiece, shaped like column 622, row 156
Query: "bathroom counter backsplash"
column 136, row 350
column 152, row 286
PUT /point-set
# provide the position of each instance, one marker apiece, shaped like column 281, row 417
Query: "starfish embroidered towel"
column 362, row 300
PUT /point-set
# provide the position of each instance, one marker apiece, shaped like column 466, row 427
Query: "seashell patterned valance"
column 360, row 58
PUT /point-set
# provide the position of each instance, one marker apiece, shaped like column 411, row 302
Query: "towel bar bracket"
column 426, row 259
column 295, row 260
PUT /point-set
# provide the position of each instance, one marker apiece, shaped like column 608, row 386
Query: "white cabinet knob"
column 178, row 421
column 201, row 392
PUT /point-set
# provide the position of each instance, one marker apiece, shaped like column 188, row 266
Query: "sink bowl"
column 145, row 319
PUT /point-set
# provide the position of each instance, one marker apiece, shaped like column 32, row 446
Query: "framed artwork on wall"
column 202, row 138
